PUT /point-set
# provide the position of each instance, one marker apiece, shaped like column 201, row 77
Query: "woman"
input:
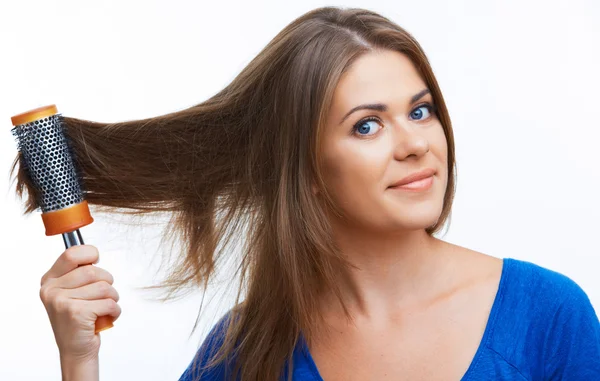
column 333, row 152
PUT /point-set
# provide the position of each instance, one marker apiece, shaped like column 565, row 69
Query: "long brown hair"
column 244, row 161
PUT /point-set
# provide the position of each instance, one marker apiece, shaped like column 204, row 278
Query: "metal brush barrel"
column 46, row 157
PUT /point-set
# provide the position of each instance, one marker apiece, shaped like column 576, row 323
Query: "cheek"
column 355, row 169
column 440, row 147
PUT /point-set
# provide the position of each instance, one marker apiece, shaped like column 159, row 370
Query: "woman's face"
column 370, row 150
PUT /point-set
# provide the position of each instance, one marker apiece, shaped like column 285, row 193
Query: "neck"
column 388, row 272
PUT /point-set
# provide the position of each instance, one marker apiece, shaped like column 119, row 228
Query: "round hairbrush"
column 47, row 159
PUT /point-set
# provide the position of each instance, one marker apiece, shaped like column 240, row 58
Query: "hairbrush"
column 46, row 156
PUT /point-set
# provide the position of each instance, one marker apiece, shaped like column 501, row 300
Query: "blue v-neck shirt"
column 542, row 326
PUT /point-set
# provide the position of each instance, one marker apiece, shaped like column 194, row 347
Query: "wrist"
column 78, row 369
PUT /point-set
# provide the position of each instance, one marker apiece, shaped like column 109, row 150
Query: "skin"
column 419, row 305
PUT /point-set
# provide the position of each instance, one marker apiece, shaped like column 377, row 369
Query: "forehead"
column 383, row 76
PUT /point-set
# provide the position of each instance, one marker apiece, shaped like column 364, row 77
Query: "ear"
column 314, row 188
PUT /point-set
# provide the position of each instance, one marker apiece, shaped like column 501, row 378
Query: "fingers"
column 70, row 259
column 75, row 310
column 103, row 307
column 94, row 291
column 81, row 276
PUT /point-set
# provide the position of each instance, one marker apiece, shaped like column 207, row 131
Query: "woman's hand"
column 75, row 293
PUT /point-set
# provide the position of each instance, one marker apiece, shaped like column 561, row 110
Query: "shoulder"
column 528, row 296
column 546, row 323
column 200, row 368
column 548, row 291
column 538, row 293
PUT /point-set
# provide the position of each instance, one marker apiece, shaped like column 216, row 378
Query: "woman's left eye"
column 418, row 113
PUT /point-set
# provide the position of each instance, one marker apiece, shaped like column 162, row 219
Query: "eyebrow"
column 383, row 107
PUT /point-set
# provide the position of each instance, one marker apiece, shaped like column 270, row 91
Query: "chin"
column 416, row 218
column 415, row 225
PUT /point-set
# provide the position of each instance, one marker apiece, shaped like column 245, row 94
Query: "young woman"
column 333, row 152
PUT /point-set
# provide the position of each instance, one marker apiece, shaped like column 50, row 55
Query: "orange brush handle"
column 103, row 322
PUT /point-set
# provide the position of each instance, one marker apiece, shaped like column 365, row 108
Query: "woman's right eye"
column 365, row 128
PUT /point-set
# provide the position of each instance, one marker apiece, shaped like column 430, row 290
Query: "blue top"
column 541, row 326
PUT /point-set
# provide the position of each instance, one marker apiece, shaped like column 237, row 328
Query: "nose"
column 409, row 141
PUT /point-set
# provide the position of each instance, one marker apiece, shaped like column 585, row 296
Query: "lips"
column 425, row 173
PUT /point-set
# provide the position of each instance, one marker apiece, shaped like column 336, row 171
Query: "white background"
column 520, row 79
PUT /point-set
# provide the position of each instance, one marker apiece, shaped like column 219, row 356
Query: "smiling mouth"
column 416, row 186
